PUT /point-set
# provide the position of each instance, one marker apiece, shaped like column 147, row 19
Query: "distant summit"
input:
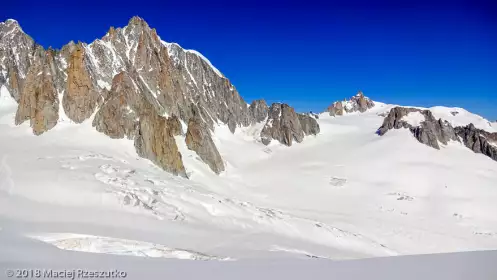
column 358, row 103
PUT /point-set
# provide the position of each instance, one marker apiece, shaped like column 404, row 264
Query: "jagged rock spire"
column 357, row 103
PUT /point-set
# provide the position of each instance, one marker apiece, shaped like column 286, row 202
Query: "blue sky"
column 309, row 53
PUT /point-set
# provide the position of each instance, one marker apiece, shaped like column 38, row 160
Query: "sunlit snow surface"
column 461, row 117
column 414, row 118
column 345, row 194
column 117, row 246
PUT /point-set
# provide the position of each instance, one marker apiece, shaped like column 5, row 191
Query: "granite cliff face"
column 118, row 116
column 430, row 131
column 131, row 84
column 155, row 140
column 433, row 132
column 309, row 124
column 16, row 56
column 358, row 103
column 258, row 110
column 198, row 139
column 80, row 100
column 39, row 102
column 478, row 140
column 283, row 125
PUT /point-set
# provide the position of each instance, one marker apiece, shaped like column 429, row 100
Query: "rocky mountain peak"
column 16, row 55
column 11, row 33
column 136, row 20
column 357, row 103
column 134, row 85
column 9, row 26
column 283, row 125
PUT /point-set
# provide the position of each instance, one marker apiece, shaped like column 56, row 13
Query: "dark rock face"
column 80, row 100
column 258, row 110
column 174, row 125
column 358, row 103
column 283, row 125
column 118, row 117
column 363, row 103
column 127, row 113
column 155, row 141
column 430, row 132
column 336, row 109
column 198, row 139
column 394, row 119
column 309, row 124
column 39, row 101
column 16, row 55
column 478, row 140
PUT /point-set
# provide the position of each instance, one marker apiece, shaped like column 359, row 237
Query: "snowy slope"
column 414, row 118
column 6, row 101
column 461, row 117
column 454, row 115
column 344, row 194
column 25, row 253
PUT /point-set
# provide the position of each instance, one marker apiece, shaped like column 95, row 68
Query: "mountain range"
column 137, row 86
column 134, row 85
column 133, row 146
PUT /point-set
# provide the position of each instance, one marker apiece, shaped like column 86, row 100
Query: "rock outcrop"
column 282, row 125
column 258, row 110
column 479, row 141
column 198, row 139
column 336, row 109
column 174, row 125
column 358, row 103
column 16, row 55
column 309, row 124
column 430, row 131
column 155, row 141
column 39, row 102
column 118, row 117
column 127, row 113
column 81, row 98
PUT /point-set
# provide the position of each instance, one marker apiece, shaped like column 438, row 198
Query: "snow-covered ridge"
column 171, row 51
column 461, row 117
column 11, row 22
column 454, row 115
column 414, row 118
